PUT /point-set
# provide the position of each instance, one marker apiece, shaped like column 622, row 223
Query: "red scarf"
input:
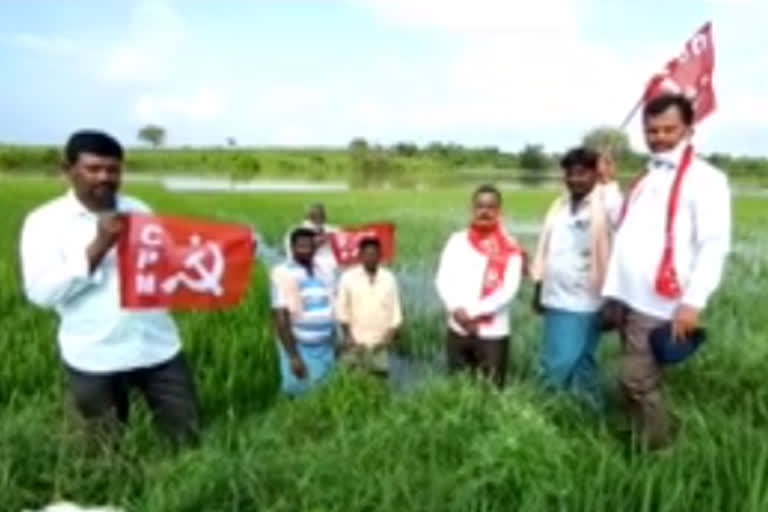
column 499, row 247
column 667, row 283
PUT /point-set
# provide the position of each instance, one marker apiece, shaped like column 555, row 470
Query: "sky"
column 319, row 73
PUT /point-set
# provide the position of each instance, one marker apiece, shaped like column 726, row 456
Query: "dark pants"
column 487, row 355
column 103, row 399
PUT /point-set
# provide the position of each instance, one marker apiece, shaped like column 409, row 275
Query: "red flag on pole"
column 345, row 243
column 178, row 263
column 690, row 74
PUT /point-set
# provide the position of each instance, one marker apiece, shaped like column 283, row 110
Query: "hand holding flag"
column 171, row 262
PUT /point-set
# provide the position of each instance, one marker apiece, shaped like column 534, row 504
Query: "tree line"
column 365, row 163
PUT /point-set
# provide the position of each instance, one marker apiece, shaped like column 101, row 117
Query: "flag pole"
column 631, row 113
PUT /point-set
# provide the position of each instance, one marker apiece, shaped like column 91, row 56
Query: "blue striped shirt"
column 314, row 322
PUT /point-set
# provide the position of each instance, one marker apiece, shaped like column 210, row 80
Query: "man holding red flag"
column 668, row 256
column 478, row 276
column 69, row 264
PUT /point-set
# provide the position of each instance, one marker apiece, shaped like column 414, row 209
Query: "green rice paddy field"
column 430, row 444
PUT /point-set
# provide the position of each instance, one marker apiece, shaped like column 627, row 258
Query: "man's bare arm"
column 282, row 321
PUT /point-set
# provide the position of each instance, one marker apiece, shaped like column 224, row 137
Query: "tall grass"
column 440, row 444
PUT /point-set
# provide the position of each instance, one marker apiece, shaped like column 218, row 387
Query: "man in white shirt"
column 478, row 277
column 569, row 269
column 69, row 264
column 316, row 220
column 668, row 257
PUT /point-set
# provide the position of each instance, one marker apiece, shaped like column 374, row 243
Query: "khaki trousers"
column 640, row 380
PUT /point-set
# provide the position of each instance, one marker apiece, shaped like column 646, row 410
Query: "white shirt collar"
column 667, row 160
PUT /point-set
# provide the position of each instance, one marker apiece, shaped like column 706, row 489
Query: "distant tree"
column 534, row 163
column 532, row 157
column 247, row 168
column 720, row 160
column 231, row 142
column 152, row 134
column 358, row 144
column 374, row 168
column 436, row 148
column 606, row 139
column 406, row 149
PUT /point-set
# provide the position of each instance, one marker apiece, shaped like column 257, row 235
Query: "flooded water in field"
column 200, row 184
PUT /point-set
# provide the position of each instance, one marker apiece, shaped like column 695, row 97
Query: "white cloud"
column 147, row 55
column 203, row 105
column 532, row 65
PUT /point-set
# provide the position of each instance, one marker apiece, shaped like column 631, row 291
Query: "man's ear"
column 65, row 172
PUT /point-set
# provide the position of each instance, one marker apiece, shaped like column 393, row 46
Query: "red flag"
column 690, row 74
column 345, row 244
column 178, row 263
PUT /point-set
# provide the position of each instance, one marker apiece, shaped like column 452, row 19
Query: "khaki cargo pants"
column 640, row 380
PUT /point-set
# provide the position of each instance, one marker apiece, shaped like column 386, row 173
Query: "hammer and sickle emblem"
column 203, row 279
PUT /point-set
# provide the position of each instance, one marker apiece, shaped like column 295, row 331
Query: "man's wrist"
column 689, row 307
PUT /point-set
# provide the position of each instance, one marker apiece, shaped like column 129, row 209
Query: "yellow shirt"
column 370, row 307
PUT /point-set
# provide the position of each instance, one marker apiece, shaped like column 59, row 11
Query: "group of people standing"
column 642, row 262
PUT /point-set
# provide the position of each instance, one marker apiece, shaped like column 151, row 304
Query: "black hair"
column 487, row 189
column 316, row 206
column 581, row 156
column 301, row 233
column 369, row 241
column 660, row 104
column 91, row 141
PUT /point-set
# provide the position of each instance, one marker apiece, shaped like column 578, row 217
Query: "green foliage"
column 606, row 139
column 437, row 162
column 248, row 168
column 358, row 144
column 375, row 168
column 534, row 163
column 406, row 149
column 439, row 445
column 152, row 134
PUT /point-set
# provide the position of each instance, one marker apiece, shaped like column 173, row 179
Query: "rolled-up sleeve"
column 52, row 273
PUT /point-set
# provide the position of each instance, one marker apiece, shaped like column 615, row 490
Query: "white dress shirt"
column 567, row 285
column 459, row 283
column 95, row 334
column 702, row 237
